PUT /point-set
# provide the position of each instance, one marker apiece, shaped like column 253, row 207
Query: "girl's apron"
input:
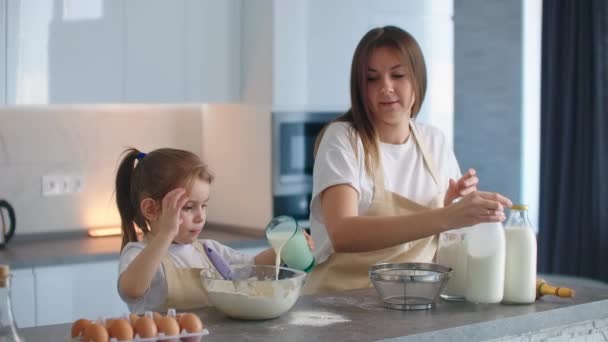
column 346, row 271
column 184, row 285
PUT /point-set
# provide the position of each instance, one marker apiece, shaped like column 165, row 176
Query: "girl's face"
column 390, row 92
column 193, row 213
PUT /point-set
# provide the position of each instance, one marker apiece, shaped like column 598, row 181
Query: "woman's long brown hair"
column 152, row 175
column 359, row 115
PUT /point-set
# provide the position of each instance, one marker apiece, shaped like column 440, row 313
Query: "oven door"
column 294, row 136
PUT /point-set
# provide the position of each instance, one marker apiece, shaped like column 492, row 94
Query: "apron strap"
column 199, row 247
column 378, row 173
column 429, row 161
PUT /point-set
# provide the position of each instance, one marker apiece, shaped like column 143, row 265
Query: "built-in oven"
column 293, row 139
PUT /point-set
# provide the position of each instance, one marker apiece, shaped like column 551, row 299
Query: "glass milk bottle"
column 485, row 263
column 520, row 266
column 452, row 252
column 8, row 327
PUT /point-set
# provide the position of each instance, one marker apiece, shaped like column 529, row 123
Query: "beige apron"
column 346, row 271
column 184, row 286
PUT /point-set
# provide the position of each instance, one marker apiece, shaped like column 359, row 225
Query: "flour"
column 316, row 318
column 254, row 299
column 365, row 303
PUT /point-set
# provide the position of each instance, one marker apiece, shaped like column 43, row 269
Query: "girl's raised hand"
column 464, row 186
column 477, row 207
column 311, row 242
column 170, row 216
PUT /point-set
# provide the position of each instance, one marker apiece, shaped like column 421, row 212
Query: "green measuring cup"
column 283, row 233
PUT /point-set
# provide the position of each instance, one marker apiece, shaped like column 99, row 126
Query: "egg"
column 95, row 333
column 79, row 326
column 133, row 317
column 121, row 330
column 145, row 327
column 168, row 325
column 109, row 322
column 191, row 323
column 156, row 316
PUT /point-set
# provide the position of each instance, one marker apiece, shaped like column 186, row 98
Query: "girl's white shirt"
column 404, row 170
column 183, row 256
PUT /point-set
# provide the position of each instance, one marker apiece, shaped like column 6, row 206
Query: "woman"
column 383, row 185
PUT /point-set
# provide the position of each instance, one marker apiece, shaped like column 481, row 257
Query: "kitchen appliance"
column 7, row 222
column 293, row 139
column 409, row 286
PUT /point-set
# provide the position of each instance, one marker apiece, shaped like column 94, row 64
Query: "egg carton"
column 183, row 336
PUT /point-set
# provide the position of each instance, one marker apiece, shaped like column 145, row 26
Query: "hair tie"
column 140, row 156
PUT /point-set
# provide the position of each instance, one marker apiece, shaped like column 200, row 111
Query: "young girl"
column 165, row 193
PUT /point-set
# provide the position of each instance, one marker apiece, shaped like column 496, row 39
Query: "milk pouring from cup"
column 485, row 263
column 289, row 244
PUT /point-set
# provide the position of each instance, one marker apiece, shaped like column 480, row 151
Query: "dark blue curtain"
column 573, row 220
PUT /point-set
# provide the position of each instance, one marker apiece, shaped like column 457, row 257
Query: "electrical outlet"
column 52, row 185
column 62, row 184
column 76, row 184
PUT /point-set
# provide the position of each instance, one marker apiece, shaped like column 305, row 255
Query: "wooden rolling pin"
column 542, row 288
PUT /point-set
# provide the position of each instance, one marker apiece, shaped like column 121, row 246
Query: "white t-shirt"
column 183, row 256
column 404, row 169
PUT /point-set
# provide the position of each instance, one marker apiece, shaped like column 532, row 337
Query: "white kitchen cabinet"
column 64, row 52
column 114, row 51
column 312, row 44
column 154, row 51
column 23, row 298
column 3, row 36
column 68, row 292
column 212, row 54
column 328, row 35
column 184, row 50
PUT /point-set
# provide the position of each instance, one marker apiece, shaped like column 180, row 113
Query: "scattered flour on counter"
column 315, row 318
column 366, row 303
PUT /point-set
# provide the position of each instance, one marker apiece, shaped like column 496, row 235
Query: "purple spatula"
column 218, row 261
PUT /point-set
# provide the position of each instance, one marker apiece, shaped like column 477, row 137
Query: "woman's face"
column 390, row 92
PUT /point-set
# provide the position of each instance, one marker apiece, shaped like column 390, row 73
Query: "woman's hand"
column 477, row 207
column 464, row 186
column 170, row 217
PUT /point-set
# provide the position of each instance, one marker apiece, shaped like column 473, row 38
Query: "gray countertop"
column 358, row 316
column 70, row 248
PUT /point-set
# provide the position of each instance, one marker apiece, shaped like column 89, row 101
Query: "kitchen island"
column 359, row 316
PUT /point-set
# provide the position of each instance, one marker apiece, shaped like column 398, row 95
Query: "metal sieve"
column 409, row 286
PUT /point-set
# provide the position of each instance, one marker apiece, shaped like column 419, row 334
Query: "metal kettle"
column 7, row 223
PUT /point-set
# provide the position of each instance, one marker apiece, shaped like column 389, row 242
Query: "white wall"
column 86, row 140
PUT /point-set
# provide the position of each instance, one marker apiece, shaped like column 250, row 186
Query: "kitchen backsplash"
column 237, row 146
column 82, row 140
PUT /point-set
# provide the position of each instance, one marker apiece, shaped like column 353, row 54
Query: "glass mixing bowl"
column 253, row 293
